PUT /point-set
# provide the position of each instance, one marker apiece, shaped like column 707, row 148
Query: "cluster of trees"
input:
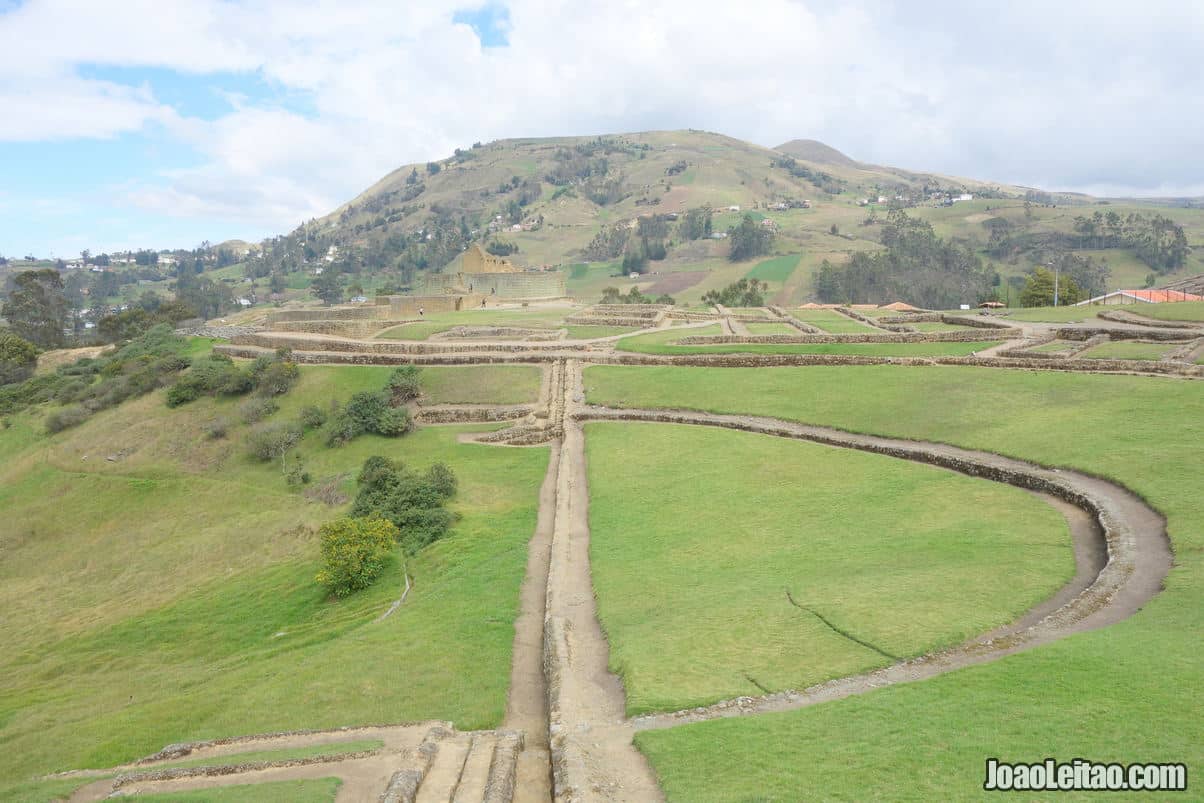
column 218, row 375
column 18, row 358
column 695, row 223
column 395, row 505
column 1039, row 289
column 749, row 239
column 381, row 412
column 825, row 181
column 36, row 308
column 917, row 266
column 1156, row 240
column 743, row 293
column 612, row 295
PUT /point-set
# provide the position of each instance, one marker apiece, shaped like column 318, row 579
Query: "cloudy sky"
column 132, row 123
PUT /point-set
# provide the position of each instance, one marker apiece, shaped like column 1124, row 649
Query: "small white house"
column 734, row 208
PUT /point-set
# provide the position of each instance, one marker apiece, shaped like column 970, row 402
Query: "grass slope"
column 691, row 579
column 168, row 595
column 1175, row 311
column 1111, row 695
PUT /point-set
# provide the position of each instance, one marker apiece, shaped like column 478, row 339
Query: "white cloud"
column 1073, row 95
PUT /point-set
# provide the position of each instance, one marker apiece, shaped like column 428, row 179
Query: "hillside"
column 570, row 201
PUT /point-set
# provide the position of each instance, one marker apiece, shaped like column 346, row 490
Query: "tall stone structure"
column 483, row 274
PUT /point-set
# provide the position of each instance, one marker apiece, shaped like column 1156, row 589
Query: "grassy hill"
column 553, row 197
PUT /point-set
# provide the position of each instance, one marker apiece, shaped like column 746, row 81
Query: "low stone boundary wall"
column 472, row 413
column 980, row 322
column 330, row 314
column 611, row 320
column 503, row 770
column 350, row 328
column 217, row 770
column 501, row 332
column 273, row 341
column 923, row 317
column 795, row 322
column 1026, row 352
column 1185, row 352
column 1120, row 316
column 893, row 337
column 692, row 316
column 857, row 316
column 1084, row 333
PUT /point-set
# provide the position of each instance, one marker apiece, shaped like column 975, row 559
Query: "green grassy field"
column 432, row 322
column 831, row 321
column 691, row 578
column 587, row 332
column 1127, row 350
column 1112, row 694
column 1174, row 311
column 1053, row 314
column 167, row 594
column 441, row 384
column 776, row 269
column 771, row 328
column 937, row 326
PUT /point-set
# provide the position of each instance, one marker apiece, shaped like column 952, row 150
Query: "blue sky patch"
column 491, row 23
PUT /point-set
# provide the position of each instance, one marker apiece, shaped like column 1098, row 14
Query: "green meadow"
column 1117, row 694
column 693, row 578
column 158, row 585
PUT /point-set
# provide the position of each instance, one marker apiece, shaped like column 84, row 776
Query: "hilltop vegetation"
column 661, row 204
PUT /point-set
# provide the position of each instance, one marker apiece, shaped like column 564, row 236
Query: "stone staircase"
column 451, row 767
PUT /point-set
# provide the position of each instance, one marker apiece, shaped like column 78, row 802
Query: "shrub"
column 312, row 416
column 412, row 502
column 253, row 410
column 442, row 479
column 354, row 553
column 71, row 416
column 404, row 384
column 276, row 378
column 365, row 409
column 341, row 429
column 217, row 429
column 393, row 422
column 273, row 441
column 297, row 475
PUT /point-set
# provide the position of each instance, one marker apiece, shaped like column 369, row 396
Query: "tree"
column 827, row 284
column 37, row 307
column 1039, row 289
column 18, row 358
column 329, row 287
column 276, row 283
column 696, row 224
column 273, row 441
column 749, row 239
column 354, row 553
column 433, row 167
column 743, row 293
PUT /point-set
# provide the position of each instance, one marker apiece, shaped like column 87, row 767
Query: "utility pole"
column 1054, row 265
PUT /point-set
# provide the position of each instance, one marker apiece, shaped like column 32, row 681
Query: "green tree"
column 37, row 307
column 354, row 553
column 749, row 239
column 276, row 283
column 1039, row 290
column 696, row 224
column 329, row 287
column 18, row 358
column 827, row 284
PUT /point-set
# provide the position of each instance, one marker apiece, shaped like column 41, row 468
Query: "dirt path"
column 1125, row 529
column 592, row 754
column 527, row 703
